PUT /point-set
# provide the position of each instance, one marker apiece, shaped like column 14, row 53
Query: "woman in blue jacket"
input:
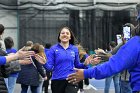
column 61, row 60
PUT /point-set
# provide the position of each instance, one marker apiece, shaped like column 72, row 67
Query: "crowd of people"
column 67, row 64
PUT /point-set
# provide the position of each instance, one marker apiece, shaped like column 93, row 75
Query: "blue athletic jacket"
column 62, row 61
column 127, row 57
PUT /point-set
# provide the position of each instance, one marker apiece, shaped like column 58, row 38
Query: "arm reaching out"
column 19, row 55
column 76, row 77
column 40, row 59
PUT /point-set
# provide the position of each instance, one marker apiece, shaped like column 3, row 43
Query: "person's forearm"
column 11, row 57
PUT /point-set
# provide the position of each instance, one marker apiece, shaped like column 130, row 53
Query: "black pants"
column 62, row 86
column 80, row 84
column 86, row 81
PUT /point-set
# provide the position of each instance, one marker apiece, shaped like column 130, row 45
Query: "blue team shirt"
column 127, row 57
column 2, row 60
column 62, row 61
column 12, row 50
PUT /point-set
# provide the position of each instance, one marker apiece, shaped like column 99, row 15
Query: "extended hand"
column 25, row 61
column 99, row 51
column 40, row 59
column 93, row 60
column 24, row 54
column 76, row 77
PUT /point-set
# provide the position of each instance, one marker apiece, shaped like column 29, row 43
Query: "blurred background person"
column 82, row 55
column 41, row 52
column 124, row 75
column 11, row 80
column 115, row 77
column 2, row 28
column 48, row 73
column 19, row 55
column 30, row 74
column 28, row 46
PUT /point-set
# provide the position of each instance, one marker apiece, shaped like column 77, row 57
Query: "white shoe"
column 78, row 91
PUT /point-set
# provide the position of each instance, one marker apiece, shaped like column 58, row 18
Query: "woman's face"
column 65, row 35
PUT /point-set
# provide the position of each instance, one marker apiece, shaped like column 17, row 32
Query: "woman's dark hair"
column 1, row 29
column 9, row 43
column 72, row 40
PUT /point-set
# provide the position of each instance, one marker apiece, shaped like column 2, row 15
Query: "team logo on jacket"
column 72, row 53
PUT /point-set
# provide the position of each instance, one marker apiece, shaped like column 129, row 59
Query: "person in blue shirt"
column 115, row 77
column 61, row 60
column 11, row 80
column 83, row 55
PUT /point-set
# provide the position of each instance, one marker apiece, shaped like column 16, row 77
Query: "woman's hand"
column 40, row 59
column 99, row 51
column 93, row 59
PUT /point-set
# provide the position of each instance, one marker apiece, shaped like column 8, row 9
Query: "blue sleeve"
column 2, row 60
column 14, row 50
column 125, row 58
column 50, row 60
column 77, row 60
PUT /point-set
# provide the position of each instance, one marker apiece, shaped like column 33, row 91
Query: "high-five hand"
column 92, row 59
column 40, row 59
column 76, row 77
